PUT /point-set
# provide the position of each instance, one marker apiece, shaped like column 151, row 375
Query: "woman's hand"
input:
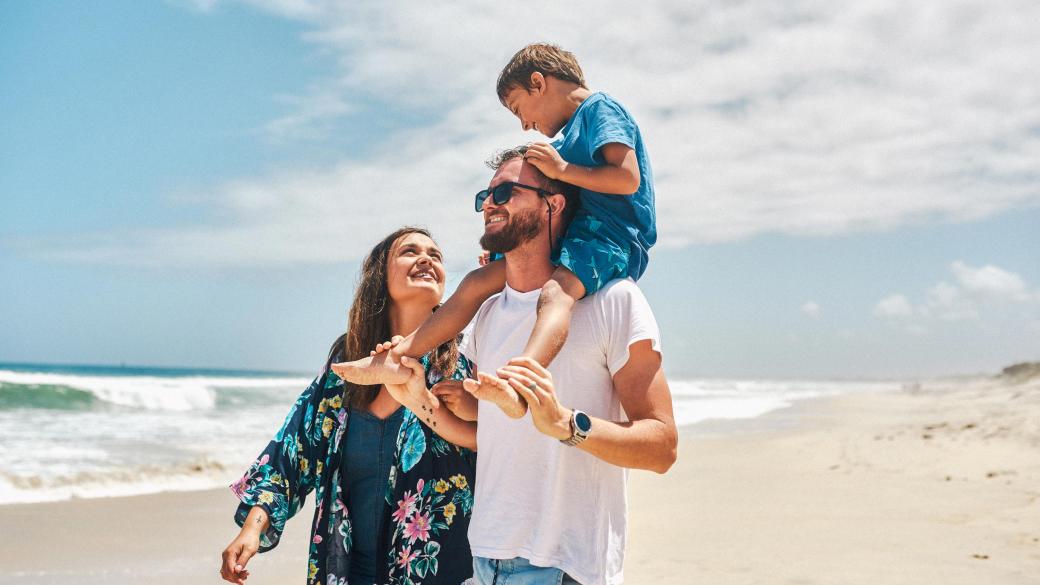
column 237, row 554
column 461, row 403
column 245, row 545
column 413, row 393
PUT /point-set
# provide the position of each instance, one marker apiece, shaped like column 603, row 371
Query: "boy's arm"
column 618, row 176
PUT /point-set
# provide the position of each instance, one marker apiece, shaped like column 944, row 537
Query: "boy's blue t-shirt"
column 629, row 220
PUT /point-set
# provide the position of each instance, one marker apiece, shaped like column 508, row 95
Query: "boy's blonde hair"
column 541, row 57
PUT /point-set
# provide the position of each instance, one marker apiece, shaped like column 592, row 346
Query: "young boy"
column 600, row 151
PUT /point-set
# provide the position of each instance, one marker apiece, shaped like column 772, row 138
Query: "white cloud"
column 946, row 302
column 893, row 306
column 315, row 115
column 810, row 309
column 977, row 288
column 990, row 282
column 804, row 117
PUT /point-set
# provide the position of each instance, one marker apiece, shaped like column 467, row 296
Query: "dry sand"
column 936, row 485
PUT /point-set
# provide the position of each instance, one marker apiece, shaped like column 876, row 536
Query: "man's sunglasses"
column 502, row 192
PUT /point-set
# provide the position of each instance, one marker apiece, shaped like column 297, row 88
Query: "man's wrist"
column 563, row 426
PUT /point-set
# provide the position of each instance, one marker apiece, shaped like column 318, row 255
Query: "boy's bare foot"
column 495, row 390
column 384, row 368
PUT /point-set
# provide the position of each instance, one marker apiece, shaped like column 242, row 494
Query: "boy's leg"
column 442, row 325
column 587, row 262
column 555, row 304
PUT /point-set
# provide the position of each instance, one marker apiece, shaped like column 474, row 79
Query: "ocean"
column 92, row 431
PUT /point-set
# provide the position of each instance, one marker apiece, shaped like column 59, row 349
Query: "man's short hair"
column 541, row 57
column 569, row 192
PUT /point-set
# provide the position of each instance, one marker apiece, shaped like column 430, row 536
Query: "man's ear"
column 537, row 83
column 557, row 203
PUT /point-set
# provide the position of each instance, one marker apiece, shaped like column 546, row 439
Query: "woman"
column 392, row 498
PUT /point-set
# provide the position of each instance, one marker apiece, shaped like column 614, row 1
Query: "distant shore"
column 934, row 485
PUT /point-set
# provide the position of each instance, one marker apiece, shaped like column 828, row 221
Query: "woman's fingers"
column 243, row 559
column 227, row 568
column 413, row 364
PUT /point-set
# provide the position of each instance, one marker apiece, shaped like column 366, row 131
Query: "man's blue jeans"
column 516, row 571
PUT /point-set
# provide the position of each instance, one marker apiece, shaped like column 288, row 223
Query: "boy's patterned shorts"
column 592, row 257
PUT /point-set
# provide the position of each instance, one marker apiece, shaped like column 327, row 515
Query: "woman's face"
column 414, row 271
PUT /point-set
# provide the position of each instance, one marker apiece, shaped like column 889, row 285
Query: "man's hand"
column 532, row 381
column 496, row 390
column 545, row 158
column 461, row 403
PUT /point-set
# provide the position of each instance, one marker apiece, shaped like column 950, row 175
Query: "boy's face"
column 534, row 110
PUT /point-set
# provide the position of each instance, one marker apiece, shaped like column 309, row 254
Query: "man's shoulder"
column 620, row 288
column 618, row 299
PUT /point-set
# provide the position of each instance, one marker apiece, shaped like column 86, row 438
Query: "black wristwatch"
column 581, row 424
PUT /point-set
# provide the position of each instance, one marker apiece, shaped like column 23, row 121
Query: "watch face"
column 583, row 422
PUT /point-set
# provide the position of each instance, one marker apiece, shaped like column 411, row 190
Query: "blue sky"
column 844, row 190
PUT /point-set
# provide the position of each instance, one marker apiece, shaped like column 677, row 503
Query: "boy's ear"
column 537, row 82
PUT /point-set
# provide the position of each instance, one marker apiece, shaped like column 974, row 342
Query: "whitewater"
column 87, row 431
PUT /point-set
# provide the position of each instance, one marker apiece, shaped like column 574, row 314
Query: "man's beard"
column 520, row 227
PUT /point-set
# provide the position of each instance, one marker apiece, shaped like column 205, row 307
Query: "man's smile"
column 496, row 218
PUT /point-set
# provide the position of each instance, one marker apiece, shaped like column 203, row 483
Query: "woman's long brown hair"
column 369, row 319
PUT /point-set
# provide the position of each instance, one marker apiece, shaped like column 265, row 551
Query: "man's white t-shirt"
column 536, row 498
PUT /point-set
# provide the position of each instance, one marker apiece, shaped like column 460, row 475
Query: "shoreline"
column 904, row 487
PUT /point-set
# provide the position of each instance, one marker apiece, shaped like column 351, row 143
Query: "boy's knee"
column 553, row 294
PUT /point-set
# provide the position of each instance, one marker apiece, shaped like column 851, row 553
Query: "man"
column 550, row 500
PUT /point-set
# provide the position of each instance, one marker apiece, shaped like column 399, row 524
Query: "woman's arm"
column 431, row 411
column 291, row 464
column 244, row 546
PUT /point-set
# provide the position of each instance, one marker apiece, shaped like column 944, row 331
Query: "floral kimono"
column 429, row 493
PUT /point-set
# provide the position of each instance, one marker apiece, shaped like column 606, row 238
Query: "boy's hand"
column 387, row 345
column 545, row 158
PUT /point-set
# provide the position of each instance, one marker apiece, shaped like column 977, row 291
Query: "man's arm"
column 648, row 440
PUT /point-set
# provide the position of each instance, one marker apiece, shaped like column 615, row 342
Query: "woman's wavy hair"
column 368, row 321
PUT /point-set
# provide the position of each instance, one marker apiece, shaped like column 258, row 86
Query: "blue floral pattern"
column 431, row 480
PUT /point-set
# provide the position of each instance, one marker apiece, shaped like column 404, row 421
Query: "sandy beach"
column 935, row 484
